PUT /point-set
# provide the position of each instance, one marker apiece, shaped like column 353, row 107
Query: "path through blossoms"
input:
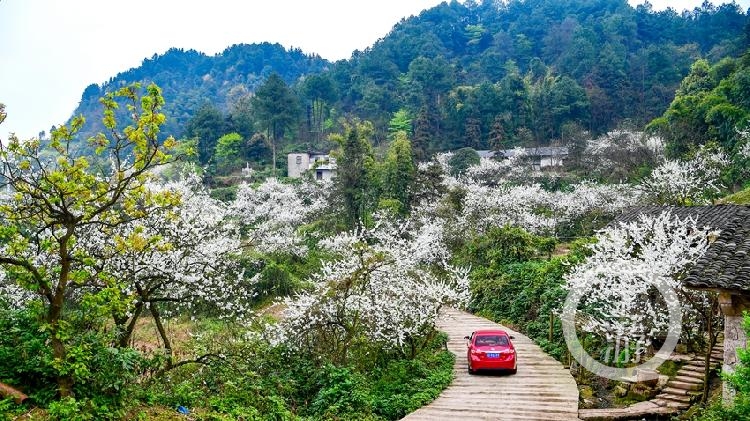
column 541, row 390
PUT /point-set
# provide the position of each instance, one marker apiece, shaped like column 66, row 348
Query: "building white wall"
column 297, row 163
column 322, row 165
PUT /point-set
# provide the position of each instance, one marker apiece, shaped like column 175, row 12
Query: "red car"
column 490, row 350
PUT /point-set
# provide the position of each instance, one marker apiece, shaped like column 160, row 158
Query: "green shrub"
column 462, row 160
column 341, row 393
column 25, row 359
column 515, row 282
column 102, row 372
column 260, row 381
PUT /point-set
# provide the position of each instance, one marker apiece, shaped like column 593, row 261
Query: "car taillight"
column 475, row 351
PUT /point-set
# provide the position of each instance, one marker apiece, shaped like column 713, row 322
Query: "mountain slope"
column 190, row 78
column 480, row 74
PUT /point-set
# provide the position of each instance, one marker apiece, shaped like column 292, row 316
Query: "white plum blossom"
column 274, row 211
column 619, row 152
column 618, row 280
column 535, row 209
column 183, row 255
column 492, row 172
column 383, row 284
column 490, row 195
column 443, row 159
column 745, row 150
column 12, row 294
column 687, row 182
column 589, row 198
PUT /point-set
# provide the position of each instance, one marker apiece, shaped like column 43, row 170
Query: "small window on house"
column 299, row 159
column 319, row 175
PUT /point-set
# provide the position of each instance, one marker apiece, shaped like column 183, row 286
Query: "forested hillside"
column 190, row 79
column 481, row 74
column 522, row 70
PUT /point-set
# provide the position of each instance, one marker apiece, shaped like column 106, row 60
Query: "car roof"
column 490, row 331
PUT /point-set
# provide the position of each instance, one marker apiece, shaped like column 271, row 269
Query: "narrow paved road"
column 541, row 390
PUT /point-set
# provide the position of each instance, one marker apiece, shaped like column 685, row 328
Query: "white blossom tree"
column 617, row 154
column 495, row 193
column 618, row 282
column 690, row 182
column 182, row 258
column 272, row 213
column 385, row 286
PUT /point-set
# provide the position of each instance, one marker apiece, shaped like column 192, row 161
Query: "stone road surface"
column 541, row 390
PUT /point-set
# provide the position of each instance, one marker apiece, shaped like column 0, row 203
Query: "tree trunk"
column 272, row 141
column 126, row 333
column 54, row 313
column 163, row 333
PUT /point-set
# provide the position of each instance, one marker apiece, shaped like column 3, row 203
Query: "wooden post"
column 551, row 324
column 14, row 393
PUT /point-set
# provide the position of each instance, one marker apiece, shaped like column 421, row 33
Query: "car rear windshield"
column 491, row 340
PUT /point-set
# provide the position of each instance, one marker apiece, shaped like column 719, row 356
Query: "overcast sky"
column 50, row 50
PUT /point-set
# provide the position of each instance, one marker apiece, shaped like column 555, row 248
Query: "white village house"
column 322, row 165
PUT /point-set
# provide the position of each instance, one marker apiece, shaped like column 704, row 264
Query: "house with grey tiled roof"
column 724, row 268
column 540, row 157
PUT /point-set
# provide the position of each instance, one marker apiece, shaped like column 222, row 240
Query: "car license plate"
column 493, row 355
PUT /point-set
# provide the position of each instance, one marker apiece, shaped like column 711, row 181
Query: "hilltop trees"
column 539, row 65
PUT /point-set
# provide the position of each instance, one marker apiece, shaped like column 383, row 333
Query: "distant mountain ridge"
column 484, row 74
column 189, row 79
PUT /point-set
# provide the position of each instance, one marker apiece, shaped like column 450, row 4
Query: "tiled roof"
column 714, row 217
column 558, row 151
column 726, row 264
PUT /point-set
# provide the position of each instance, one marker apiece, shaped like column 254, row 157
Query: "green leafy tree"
column 229, row 151
column 422, row 135
column 207, row 125
column 400, row 123
column 241, row 116
column 473, row 132
column 321, row 91
column 58, row 197
column 399, row 171
column 277, row 110
column 711, row 105
column 463, row 159
column 497, row 134
column 355, row 167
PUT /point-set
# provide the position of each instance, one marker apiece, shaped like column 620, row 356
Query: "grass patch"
column 740, row 198
column 669, row 368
